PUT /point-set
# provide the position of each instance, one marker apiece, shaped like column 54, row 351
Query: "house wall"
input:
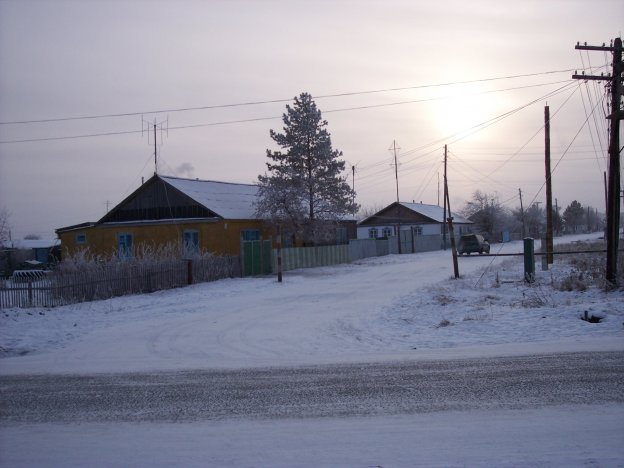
column 217, row 236
column 427, row 229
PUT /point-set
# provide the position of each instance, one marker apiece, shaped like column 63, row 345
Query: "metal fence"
column 93, row 282
column 311, row 257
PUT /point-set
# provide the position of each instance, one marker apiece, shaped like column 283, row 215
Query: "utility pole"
column 396, row 173
column 613, row 189
column 452, row 234
column 445, row 198
column 353, row 170
column 522, row 214
column 549, row 220
column 558, row 217
column 605, row 189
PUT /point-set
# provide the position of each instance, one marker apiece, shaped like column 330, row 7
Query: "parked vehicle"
column 469, row 243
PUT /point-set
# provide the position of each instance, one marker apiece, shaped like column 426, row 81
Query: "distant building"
column 421, row 225
column 28, row 253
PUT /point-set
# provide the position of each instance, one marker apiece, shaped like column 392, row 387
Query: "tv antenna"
column 354, row 170
column 148, row 127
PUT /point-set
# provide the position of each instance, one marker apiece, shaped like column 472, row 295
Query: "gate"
column 257, row 257
column 407, row 241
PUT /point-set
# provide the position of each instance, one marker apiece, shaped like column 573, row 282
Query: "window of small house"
column 191, row 241
column 81, row 238
column 417, row 230
column 372, row 233
column 288, row 239
column 250, row 234
column 124, row 245
column 387, row 232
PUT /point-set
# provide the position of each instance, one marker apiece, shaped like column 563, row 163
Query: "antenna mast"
column 163, row 126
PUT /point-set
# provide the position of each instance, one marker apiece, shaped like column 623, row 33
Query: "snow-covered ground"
column 395, row 307
column 392, row 307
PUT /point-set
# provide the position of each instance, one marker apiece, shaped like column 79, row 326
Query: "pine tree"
column 304, row 189
column 573, row 216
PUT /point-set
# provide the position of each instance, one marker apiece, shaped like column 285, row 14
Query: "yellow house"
column 201, row 215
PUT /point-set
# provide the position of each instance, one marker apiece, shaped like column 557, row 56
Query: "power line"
column 566, row 151
column 464, row 134
column 277, row 101
column 258, row 119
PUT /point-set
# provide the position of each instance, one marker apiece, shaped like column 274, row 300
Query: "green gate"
column 257, row 257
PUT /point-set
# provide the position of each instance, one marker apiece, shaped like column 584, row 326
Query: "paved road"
column 319, row 391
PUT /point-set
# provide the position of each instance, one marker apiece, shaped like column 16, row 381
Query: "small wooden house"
column 200, row 215
column 413, row 220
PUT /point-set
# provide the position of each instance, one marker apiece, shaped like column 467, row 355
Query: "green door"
column 257, row 256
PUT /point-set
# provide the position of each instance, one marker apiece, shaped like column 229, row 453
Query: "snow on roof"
column 434, row 212
column 228, row 200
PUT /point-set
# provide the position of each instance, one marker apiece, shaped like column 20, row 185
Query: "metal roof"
column 434, row 212
column 227, row 200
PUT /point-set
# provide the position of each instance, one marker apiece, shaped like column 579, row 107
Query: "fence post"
column 279, row 253
column 30, row 292
column 189, row 271
column 529, row 260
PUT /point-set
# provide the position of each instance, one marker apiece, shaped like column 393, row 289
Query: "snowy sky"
column 61, row 59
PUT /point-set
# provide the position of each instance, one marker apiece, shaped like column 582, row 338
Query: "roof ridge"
column 205, row 180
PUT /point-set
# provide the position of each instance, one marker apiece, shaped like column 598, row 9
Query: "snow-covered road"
column 319, row 391
column 386, row 312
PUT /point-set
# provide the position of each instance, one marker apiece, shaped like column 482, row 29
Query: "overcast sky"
column 149, row 59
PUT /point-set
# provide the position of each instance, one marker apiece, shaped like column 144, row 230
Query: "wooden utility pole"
column 522, row 214
column 353, row 170
column 605, row 189
column 558, row 229
column 549, row 220
column 445, row 198
column 613, row 188
column 396, row 173
column 452, row 235
column 438, row 188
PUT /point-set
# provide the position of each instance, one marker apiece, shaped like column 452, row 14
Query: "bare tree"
column 489, row 216
column 368, row 211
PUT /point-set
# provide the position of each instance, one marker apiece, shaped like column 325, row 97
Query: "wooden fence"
column 95, row 282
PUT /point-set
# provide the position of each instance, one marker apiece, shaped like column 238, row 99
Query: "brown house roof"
column 410, row 213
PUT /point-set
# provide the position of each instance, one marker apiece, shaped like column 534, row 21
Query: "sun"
column 463, row 114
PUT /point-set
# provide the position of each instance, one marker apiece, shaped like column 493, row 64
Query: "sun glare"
column 463, row 114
